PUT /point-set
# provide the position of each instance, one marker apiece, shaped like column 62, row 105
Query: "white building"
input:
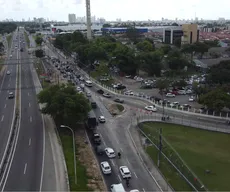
column 72, row 18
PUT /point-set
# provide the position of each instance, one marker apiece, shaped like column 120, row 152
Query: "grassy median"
column 206, row 153
column 27, row 39
column 9, row 40
column 66, row 139
column 1, row 64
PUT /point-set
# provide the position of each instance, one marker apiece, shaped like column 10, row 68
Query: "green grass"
column 96, row 76
column 27, row 39
column 67, row 144
column 120, row 107
column 9, row 40
column 201, row 150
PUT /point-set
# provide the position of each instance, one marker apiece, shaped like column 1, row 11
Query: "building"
column 185, row 34
column 190, row 33
column 72, row 18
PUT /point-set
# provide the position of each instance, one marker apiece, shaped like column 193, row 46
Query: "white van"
column 88, row 83
column 117, row 188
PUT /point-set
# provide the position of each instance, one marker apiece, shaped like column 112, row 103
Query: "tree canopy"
column 7, row 27
column 2, row 48
column 64, row 104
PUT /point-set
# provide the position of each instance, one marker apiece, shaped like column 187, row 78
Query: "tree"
column 220, row 73
column 216, row 100
column 151, row 62
column 96, row 53
column 38, row 40
column 133, row 34
column 201, row 48
column 39, row 53
column 7, row 27
column 188, row 49
column 166, row 49
column 64, row 104
column 2, row 48
column 145, row 46
column 176, row 61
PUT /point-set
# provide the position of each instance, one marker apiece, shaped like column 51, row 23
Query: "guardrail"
column 10, row 148
column 148, row 99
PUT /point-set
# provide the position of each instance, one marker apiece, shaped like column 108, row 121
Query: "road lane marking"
column 10, row 79
column 5, row 106
column 25, row 168
column 28, row 94
column 143, row 190
column 2, row 118
column 119, row 178
column 112, row 163
column 121, row 149
column 135, row 174
column 128, row 161
column 8, row 85
column 29, row 105
column 30, row 119
column 29, row 141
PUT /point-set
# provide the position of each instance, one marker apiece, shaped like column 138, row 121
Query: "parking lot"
column 133, row 85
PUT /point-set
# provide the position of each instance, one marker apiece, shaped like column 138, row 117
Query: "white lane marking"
column 5, row 106
column 29, row 105
column 128, row 161
column 135, row 174
column 28, row 94
column 2, row 118
column 8, row 85
column 10, row 79
column 112, row 163
column 6, row 98
column 119, row 178
column 30, row 119
column 121, row 149
column 25, row 169
column 29, row 141
column 143, row 190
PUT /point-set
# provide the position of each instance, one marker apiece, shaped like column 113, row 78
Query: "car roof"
column 109, row 149
column 102, row 116
column 11, row 93
column 125, row 169
column 105, row 163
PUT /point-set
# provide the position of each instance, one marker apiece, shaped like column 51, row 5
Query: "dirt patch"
column 86, row 157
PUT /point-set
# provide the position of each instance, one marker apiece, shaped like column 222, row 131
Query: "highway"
column 7, row 106
column 115, row 134
column 26, row 166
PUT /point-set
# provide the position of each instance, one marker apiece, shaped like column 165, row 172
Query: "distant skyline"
column 114, row 9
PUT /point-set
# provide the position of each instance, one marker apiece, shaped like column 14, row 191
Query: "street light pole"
column 74, row 151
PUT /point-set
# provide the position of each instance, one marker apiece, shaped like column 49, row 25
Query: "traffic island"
column 9, row 40
column 113, row 108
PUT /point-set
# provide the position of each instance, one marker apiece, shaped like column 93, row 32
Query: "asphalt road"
column 26, row 168
column 8, row 84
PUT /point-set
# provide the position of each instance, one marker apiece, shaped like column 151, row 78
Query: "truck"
column 91, row 122
column 117, row 188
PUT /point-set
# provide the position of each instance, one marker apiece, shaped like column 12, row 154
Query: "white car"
column 105, row 167
column 107, row 95
column 88, row 94
column 110, row 152
column 8, row 72
column 78, row 88
column 11, row 56
column 191, row 99
column 151, row 108
column 101, row 119
column 134, row 190
column 125, row 173
column 170, row 95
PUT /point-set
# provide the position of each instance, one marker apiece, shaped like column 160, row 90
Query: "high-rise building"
column 72, row 18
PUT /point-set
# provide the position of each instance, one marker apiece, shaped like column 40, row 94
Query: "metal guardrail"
column 151, row 101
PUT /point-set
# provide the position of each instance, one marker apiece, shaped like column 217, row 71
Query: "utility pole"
column 160, row 148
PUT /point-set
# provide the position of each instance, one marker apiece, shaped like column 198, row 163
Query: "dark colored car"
column 100, row 91
column 119, row 100
column 100, row 149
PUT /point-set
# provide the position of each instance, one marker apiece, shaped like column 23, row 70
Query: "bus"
column 88, row 83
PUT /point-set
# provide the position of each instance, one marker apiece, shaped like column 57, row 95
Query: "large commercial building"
column 185, row 34
column 72, row 18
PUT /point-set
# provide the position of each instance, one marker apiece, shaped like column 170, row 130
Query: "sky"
column 114, row 9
